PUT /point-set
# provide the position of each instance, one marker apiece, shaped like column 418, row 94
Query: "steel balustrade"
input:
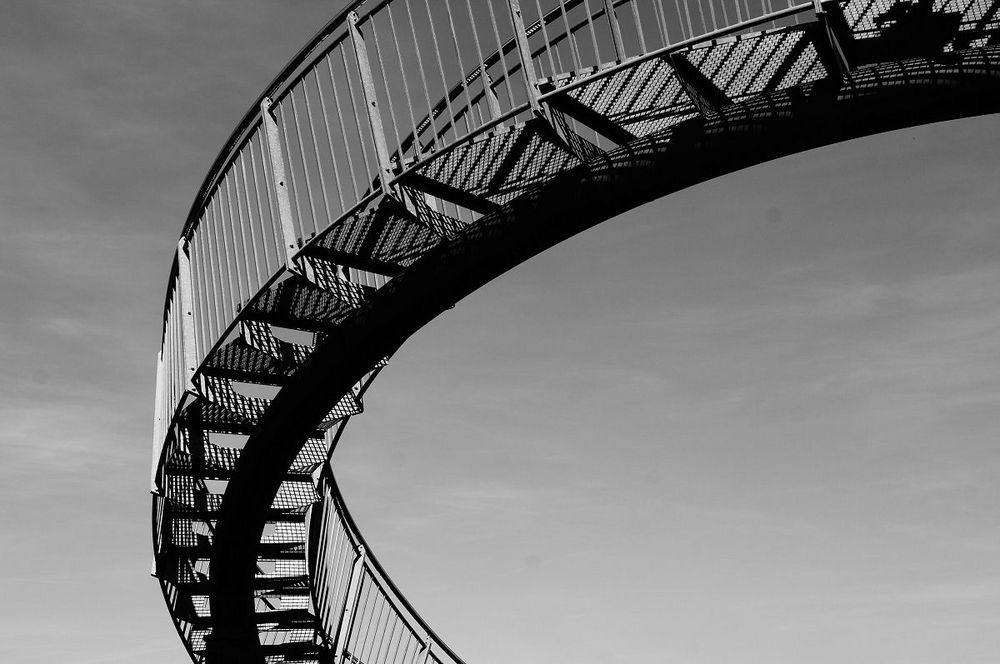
column 402, row 128
column 356, row 602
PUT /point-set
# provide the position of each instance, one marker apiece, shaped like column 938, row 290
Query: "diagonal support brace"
column 446, row 192
column 588, row 117
column 835, row 43
column 703, row 92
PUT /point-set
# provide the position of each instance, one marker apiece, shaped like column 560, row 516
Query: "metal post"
column 371, row 100
column 186, row 288
column 276, row 158
column 158, row 434
column 350, row 606
column 616, row 30
column 524, row 50
column 427, row 649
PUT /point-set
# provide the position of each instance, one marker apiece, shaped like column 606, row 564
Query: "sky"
column 753, row 422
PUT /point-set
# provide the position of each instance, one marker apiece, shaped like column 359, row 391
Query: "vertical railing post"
column 158, row 434
column 186, row 310
column 276, row 160
column 371, row 100
column 350, row 606
column 524, row 51
column 616, row 30
column 426, row 656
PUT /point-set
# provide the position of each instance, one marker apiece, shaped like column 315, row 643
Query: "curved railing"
column 420, row 77
column 384, row 88
column 360, row 609
column 398, row 124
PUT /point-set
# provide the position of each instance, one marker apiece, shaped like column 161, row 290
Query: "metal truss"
column 409, row 153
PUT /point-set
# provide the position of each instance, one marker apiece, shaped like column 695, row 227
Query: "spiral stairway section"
column 401, row 123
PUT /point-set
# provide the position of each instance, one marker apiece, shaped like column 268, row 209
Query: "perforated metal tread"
column 238, row 360
column 383, row 239
column 300, row 304
column 501, row 165
column 635, row 97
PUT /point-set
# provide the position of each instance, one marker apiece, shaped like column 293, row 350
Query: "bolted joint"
column 427, row 649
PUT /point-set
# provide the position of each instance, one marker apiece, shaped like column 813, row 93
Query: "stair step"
column 238, row 360
column 286, row 618
column 383, row 239
column 259, row 335
column 498, row 167
column 298, row 304
column 268, row 551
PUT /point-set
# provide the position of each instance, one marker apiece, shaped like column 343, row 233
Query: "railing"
column 363, row 615
column 384, row 87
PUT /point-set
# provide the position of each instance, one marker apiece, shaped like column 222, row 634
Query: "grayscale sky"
column 756, row 422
